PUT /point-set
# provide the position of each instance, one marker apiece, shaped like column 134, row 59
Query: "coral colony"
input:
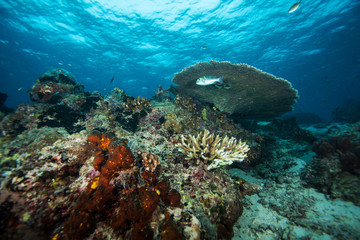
column 78, row 165
column 214, row 152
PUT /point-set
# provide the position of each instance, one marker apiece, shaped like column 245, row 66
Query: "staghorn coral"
column 247, row 92
column 214, row 150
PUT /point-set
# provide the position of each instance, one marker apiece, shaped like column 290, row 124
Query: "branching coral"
column 136, row 105
column 212, row 149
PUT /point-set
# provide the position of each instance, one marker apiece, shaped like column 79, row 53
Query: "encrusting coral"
column 214, row 150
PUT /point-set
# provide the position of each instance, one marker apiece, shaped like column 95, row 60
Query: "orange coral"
column 137, row 204
column 137, row 208
column 99, row 192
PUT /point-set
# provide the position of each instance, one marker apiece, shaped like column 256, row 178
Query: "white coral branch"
column 218, row 152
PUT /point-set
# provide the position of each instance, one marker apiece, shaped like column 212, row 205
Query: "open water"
column 144, row 43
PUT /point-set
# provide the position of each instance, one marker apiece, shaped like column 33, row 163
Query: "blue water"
column 144, row 43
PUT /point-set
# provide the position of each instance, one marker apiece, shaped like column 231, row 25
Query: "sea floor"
column 286, row 209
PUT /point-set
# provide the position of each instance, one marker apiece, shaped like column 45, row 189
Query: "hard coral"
column 185, row 102
column 335, row 169
column 213, row 150
column 150, row 161
column 137, row 104
column 345, row 148
column 247, row 92
column 52, row 86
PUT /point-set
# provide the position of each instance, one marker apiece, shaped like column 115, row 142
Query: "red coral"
column 162, row 188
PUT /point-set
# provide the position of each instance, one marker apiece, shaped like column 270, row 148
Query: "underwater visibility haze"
column 172, row 120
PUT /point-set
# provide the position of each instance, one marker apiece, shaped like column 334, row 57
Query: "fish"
column 294, row 7
column 112, row 79
column 209, row 80
column 263, row 123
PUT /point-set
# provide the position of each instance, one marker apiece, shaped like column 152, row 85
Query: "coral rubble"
column 249, row 92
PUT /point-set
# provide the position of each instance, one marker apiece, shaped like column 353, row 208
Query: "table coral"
column 247, row 92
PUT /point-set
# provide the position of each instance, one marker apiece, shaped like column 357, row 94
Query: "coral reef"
column 286, row 128
column 117, row 191
column 305, row 117
column 109, row 167
column 137, row 105
column 213, row 151
column 53, row 85
column 335, row 169
column 185, row 102
column 162, row 95
column 250, row 93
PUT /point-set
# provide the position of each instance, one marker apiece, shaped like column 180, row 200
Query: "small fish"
column 112, row 79
column 204, row 47
column 19, row 89
column 263, row 123
column 294, row 7
column 209, row 80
